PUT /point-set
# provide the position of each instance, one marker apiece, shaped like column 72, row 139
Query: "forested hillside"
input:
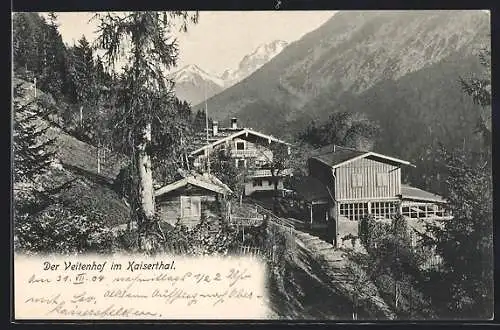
column 71, row 151
column 402, row 70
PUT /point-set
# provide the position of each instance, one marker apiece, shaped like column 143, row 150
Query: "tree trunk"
column 146, row 201
column 275, row 197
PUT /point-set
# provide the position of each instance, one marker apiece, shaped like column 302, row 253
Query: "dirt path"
column 316, row 286
column 307, row 294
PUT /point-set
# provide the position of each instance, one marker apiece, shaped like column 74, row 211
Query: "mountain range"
column 194, row 84
column 401, row 68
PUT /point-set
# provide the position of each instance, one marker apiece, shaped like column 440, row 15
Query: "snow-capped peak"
column 253, row 61
column 192, row 71
column 269, row 50
column 195, row 84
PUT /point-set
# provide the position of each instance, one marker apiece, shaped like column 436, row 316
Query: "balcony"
column 260, row 173
column 244, row 153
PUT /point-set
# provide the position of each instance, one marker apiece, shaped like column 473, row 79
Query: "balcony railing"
column 244, row 153
column 267, row 173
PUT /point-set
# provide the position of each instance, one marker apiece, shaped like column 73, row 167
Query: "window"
column 190, row 207
column 240, row 163
column 405, row 211
column 384, row 210
column 382, row 179
column 257, row 183
column 240, row 145
column 353, row 211
column 357, row 180
column 417, row 210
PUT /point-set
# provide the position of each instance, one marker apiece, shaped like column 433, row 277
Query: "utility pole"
column 34, row 82
column 206, row 126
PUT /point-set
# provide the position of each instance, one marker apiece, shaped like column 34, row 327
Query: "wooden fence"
column 280, row 226
column 247, row 222
column 250, row 250
column 276, row 226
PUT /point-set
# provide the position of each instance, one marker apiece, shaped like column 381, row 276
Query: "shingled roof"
column 337, row 156
column 236, row 133
column 205, row 181
column 309, row 188
column 416, row 194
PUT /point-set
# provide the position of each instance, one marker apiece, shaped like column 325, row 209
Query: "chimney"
column 234, row 124
column 215, row 128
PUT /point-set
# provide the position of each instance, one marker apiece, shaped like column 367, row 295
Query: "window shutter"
column 195, row 206
column 356, row 180
column 382, row 179
column 185, row 206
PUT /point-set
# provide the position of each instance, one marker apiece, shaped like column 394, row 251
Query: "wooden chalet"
column 190, row 197
column 358, row 183
column 249, row 149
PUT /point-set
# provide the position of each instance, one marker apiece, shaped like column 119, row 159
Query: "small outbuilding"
column 192, row 197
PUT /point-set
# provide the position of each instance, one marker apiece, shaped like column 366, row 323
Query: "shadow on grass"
column 320, row 232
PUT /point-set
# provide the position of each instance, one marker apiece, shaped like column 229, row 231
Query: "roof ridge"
column 332, row 151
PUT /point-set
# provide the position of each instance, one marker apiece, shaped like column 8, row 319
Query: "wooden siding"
column 169, row 205
column 254, row 149
column 267, row 185
column 369, row 189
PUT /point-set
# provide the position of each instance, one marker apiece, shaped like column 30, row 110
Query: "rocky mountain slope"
column 358, row 61
column 193, row 84
column 253, row 61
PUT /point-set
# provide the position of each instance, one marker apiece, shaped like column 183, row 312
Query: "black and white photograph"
column 348, row 153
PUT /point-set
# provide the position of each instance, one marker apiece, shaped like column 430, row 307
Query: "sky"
column 220, row 39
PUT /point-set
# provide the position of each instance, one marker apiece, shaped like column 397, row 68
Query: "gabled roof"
column 204, row 181
column 416, row 194
column 342, row 156
column 244, row 131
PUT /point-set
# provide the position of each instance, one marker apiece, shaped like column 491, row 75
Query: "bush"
column 125, row 241
column 394, row 266
column 59, row 229
column 200, row 240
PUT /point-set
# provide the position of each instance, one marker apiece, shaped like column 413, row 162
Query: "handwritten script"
column 139, row 288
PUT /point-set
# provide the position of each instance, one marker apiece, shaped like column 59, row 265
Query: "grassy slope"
column 79, row 165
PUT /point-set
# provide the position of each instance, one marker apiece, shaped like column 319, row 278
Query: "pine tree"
column 82, row 72
column 32, row 155
column 33, row 151
column 466, row 242
column 479, row 88
column 28, row 44
column 53, row 71
column 144, row 96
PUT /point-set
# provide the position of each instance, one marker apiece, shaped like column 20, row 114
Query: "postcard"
column 252, row 165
